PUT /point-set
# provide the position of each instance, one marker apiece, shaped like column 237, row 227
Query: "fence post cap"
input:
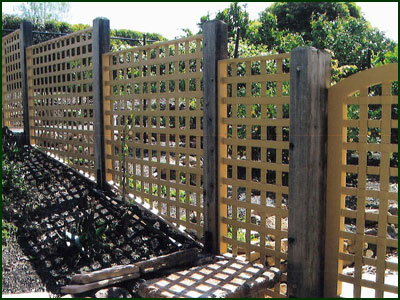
column 212, row 22
column 312, row 49
column 26, row 24
column 25, row 21
column 101, row 18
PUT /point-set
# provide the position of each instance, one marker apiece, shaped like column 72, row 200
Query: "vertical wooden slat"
column 214, row 48
column 309, row 80
column 223, row 133
column 108, row 121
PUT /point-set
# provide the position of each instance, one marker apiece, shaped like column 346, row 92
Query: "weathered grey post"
column 309, row 80
column 215, row 41
column 101, row 44
column 25, row 40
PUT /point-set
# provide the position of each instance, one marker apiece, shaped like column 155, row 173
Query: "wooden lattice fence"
column 205, row 141
column 153, row 126
column 254, row 158
column 11, row 81
column 60, row 95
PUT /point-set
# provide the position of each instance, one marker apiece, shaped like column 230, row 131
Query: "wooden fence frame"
column 309, row 80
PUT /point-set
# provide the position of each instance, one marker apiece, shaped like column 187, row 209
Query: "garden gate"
column 362, row 183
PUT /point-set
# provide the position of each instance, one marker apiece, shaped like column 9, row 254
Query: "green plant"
column 124, row 152
column 86, row 233
column 8, row 231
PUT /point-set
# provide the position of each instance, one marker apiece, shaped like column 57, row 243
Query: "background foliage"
column 12, row 22
column 338, row 27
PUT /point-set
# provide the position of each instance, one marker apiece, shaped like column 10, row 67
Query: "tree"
column 203, row 19
column 12, row 22
column 236, row 16
column 41, row 12
column 296, row 16
column 186, row 33
column 352, row 40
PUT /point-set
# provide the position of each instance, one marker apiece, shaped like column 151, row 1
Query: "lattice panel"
column 223, row 279
column 363, row 145
column 11, row 85
column 153, row 110
column 254, row 157
column 60, row 81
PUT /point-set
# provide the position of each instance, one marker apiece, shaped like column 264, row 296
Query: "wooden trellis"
column 254, row 157
column 11, row 81
column 362, row 175
column 153, row 106
column 134, row 118
column 60, row 95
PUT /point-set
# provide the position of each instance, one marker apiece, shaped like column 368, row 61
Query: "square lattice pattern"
column 223, row 279
column 153, row 126
column 11, row 81
column 254, row 157
column 369, row 190
column 60, row 80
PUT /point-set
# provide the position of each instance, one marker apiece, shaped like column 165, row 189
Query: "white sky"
column 167, row 18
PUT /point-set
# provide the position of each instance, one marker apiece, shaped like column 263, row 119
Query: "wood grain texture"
column 310, row 74
column 150, row 265
column 101, row 45
column 26, row 40
column 215, row 48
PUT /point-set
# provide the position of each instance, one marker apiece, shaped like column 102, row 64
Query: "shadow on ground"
column 58, row 201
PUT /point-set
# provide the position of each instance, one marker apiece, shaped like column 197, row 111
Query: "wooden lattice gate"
column 362, row 219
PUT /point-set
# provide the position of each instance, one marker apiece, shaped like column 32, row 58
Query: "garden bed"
column 50, row 206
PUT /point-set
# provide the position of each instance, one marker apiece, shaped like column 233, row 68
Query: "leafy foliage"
column 12, row 22
column 86, row 234
column 296, row 16
column 131, row 34
column 8, row 231
column 235, row 16
column 350, row 39
column 338, row 27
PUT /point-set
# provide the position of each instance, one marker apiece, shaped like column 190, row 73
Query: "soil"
column 57, row 202
column 19, row 275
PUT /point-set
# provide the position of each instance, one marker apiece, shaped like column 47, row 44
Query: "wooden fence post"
column 101, row 44
column 309, row 80
column 215, row 41
column 25, row 40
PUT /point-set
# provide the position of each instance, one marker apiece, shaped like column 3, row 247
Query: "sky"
column 168, row 18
